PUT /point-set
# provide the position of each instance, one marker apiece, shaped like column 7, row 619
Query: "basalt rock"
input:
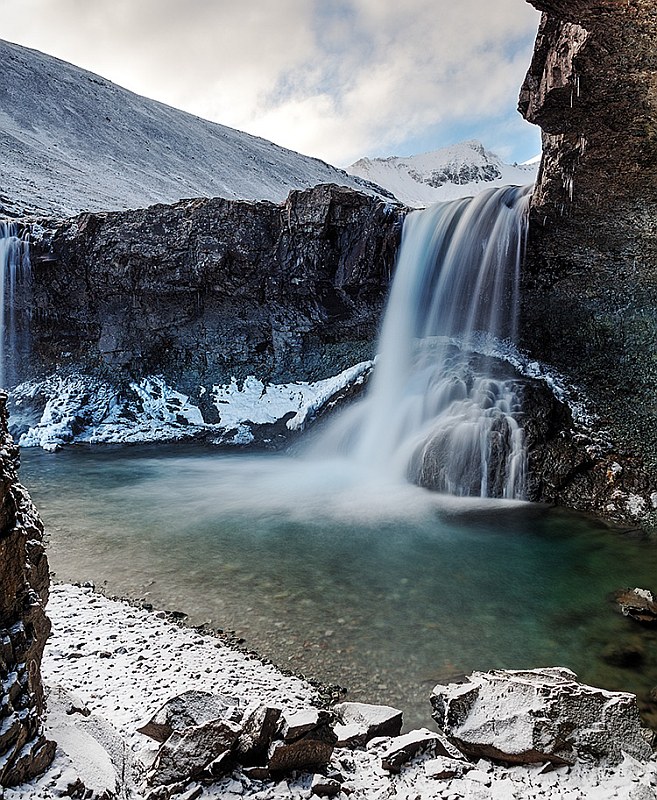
column 590, row 277
column 24, row 582
column 204, row 290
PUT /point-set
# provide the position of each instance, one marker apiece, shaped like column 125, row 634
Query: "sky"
column 336, row 79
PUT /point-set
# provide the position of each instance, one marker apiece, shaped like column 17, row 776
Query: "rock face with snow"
column 540, row 715
column 24, row 581
column 591, row 268
column 73, row 141
column 211, row 289
column 461, row 170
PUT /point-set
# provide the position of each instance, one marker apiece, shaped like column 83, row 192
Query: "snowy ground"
column 62, row 410
column 123, row 662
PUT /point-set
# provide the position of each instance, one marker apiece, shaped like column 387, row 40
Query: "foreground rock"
column 358, row 723
column 24, row 582
column 542, row 715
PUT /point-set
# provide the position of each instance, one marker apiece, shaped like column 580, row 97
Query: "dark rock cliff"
column 24, row 582
column 590, row 280
column 207, row 289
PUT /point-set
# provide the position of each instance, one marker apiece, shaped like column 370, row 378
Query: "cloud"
column 336, row 79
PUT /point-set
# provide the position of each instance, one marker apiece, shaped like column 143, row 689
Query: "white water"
column 434, row 414
column 14, row 268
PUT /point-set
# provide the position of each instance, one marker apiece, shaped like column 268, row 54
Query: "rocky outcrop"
column 24, row 582
column 591, row 270
column 205, row 290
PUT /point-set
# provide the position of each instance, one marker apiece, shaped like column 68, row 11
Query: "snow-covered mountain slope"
column 461, row 170
column 72, row 141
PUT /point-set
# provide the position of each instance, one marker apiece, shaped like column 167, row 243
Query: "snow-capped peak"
column 459, row 170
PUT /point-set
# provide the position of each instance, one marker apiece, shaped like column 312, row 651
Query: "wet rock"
column 638, row 604
column 303, row 722
column 189, row 709
column 186, row 755
column 542, row 715
column 403, row 748
column 358, row 723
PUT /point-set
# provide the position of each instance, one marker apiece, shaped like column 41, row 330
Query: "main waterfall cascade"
column 436, row 413
column 14, row 270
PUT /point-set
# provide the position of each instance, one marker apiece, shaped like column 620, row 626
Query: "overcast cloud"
column 337, row 79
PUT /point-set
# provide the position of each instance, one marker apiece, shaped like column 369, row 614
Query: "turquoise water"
column 383, row 589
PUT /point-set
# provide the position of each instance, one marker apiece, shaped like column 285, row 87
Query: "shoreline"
column 123, row 662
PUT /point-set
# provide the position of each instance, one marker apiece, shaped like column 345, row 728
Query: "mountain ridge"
column 73, row 141
column 447, row 173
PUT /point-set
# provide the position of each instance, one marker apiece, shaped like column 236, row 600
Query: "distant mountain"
column 72, row 141
column 458, row 171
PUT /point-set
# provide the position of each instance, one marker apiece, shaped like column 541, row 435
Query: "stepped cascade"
column 14, row 271
column 435, row 406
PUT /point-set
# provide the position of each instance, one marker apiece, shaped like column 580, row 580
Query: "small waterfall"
column 14, row 271
column 436, row 413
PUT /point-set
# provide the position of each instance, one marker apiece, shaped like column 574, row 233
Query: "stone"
column 443, row 768
column 624, row 654
column 358, row 723
column 300, row 723
column 185, row 755
column 541, row 715
column 638, row 604
column 322, row 786
column 402, row 749
column 259, row 727
column 189, row 709
column 308, row 742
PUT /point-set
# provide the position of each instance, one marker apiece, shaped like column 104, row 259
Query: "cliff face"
column 590, row 281
column 24, row 582
column 207, row 289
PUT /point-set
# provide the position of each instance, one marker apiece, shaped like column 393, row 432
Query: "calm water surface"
column 384, row 589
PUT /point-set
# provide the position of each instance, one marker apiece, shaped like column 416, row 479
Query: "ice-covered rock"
column 525, row 716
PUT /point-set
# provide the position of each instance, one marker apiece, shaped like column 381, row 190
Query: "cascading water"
column 14, row 270
column 436, row 413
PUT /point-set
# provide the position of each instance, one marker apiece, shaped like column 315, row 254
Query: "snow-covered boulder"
column 359, row 722
column 539, row 715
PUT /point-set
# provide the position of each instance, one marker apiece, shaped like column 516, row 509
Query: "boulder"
column 185, row 756
column 307, row 741
column 259, row 728
column 403, row 748
column 639, row 604
column 189, row 709
column 444, row 769
column 358, row 723
column 323, row 786
column 541, row 715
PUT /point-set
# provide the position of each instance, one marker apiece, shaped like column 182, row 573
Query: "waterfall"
column 14, row 270
column 436, row 413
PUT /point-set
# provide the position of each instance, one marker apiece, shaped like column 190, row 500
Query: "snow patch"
column 76, row 408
